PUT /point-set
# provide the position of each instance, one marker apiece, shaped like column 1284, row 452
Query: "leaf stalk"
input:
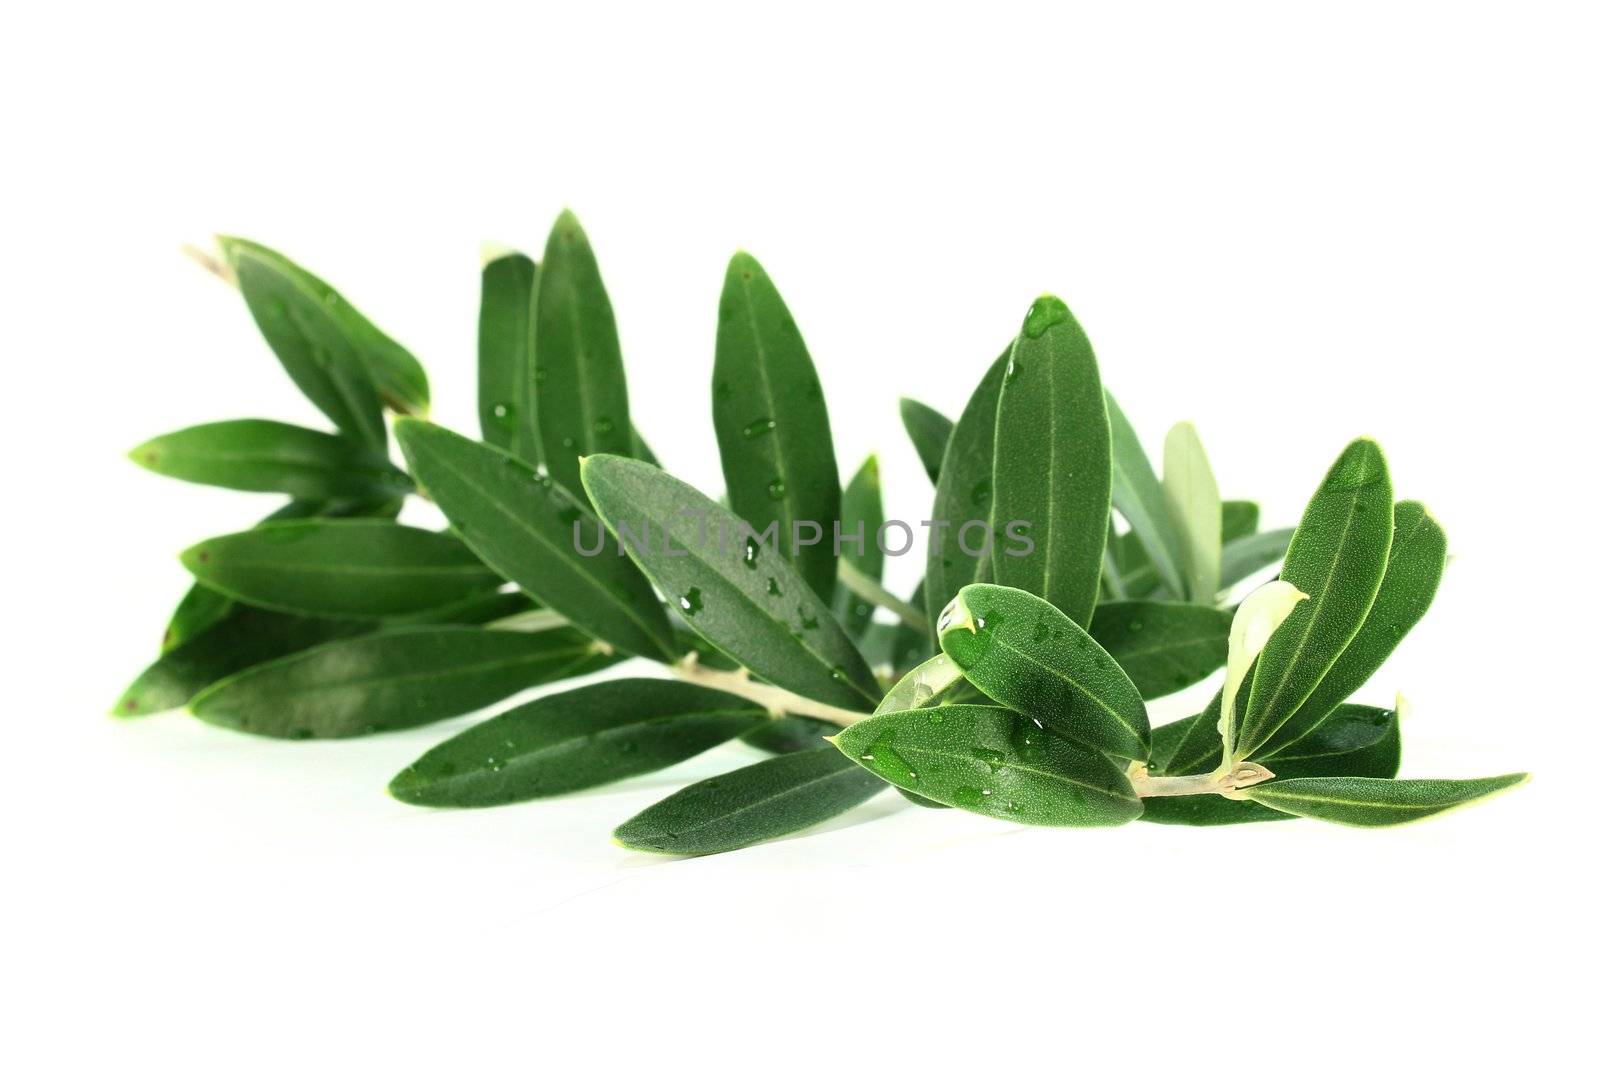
column 778, row 702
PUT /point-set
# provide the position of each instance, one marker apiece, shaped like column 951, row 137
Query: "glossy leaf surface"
column 390, row 680
column 574, row 740
column 964, row 494
column 505, row 371
column 772, row 422
column 772, row 798
column 1052, row 462
column 1163, row 647
column 1026, row 654
column 994, row 762
column 529, row 530
column 261, row 456
column 734, row 590
column 1376, row 801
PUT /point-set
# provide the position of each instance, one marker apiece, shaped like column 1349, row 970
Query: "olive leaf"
column 1138, row 495
column 772, row 422
column 530, row 530
column 1052, row 462
column 770, row 799
column 1337, row 557
column 262, row 456
column 1163, row 647
column 574, row 740
column 505, row 371
column 1376, row 801
column 391, row 680
column 929, row 432
column 964, row 494
column 860, row 516
column 1240, row 518
column 580, row 392
column 1195, row 505
column 353, row 568
column 1025, row 653
column 1246, row 555
column 994, row 762
column 735, row 590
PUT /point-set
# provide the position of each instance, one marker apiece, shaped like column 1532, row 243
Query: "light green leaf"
column 861, row 512
column 772, row 422
column 1162, row 647
column 1138, row 494
column 392, row 680
column 529, row 530
column 352, row 568
column 734, row 590
column 1337, row 557
column 1410, row 580
column 929, row 432
column 261, row 456
column 772, row 798
column 994, row 762
column 1196, row 509
column 1052, row 462
column 574, row 740
column 964, row 494
column 1026, row 654
column 1376, row 801
column 505, row 372
column 580, row 392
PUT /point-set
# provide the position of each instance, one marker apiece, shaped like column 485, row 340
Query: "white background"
column 1290, row 223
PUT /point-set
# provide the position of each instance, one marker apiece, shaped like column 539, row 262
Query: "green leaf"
column 964, row 494
column 929, row 432
column 1246, row 555
column 1052, row 462
column 769, row 799
column 353, row 568
column 1162, row 647
column 1376, row 801
column 1195, row 505
column 1240, row 518
column 574, row 740
column 336, row 356
column 861, row 512
column 1337, row 557
column 243, row 637
column 505, row 374
column 261, row 456
column 390, row 680
column 1026, row 654
column 529, row 530
column 580, row 392
column 735, row 591
column 1137, row 493
column 1410, row 580
column 994, row 762
column 772, row 422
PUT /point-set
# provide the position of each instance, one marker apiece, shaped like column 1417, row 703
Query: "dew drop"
column 603, row 425
column 501, row 412
column 989, row 757
column 1135, row 625
column 752, row 552
column 761, row 427
column 1047, row 311
column 776, row 489
column 690, row 601
column 773, row 588
column 889, row 763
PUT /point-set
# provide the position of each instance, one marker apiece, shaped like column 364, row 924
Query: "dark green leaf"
column 580, row 393
column 772, row 422
column 1052, row 462
column 861, row 512
column 965, row 494
column 242, row 638
column 479, row 609
column 1240, row 518
column 1337, row 557
column 735, row 591
column 1376, row 801
column 354, row 568
column 1137, row 493
column 770, row 799
column 994, row 762
column 505, row 374
column 929, row 432
column 1026, row 654
column 258, row 455
column 573, row 740
column 390, row 680
column 1163, row 647
column 529, row 529
column 1246, row 555
column 1416, row 564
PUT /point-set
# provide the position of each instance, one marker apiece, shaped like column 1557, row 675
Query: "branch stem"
column 869, row 590
column 779, row 702
column 1188, row 785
